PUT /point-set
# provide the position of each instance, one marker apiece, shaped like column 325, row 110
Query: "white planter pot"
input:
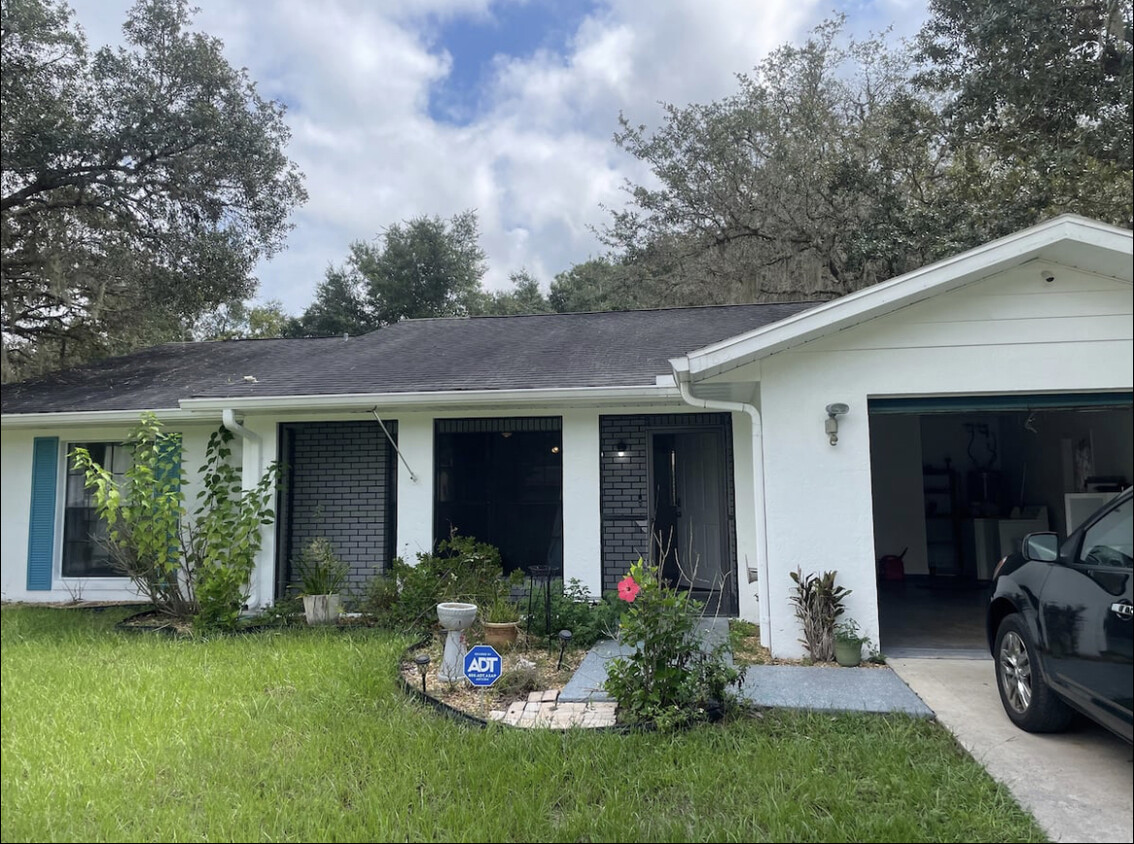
column 322, row 609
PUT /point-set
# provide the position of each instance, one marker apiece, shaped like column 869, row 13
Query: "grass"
column 302, row 735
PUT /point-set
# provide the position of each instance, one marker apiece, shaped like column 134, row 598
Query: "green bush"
column 669, row 679
column 572, row 608
column 378, row 599
column 195, row 567
column 461, row 570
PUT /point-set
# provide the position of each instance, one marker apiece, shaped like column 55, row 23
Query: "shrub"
column 461, row 570
column 818, row 603
column 378, row 599
column 191, row 567
column 669, row 679
column 572, row 608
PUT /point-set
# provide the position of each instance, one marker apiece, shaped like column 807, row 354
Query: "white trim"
column 574, row 396
column 96, row 417
column 1110, row 248
column 69, row 582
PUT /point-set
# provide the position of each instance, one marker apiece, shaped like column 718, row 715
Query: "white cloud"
column 537, row 160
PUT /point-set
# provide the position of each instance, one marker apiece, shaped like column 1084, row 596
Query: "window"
column 84, row 554
column 1108, row 541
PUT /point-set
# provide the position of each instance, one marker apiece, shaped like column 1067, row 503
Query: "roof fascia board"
column 468, row 398
column 98, row 417
column 948, row 274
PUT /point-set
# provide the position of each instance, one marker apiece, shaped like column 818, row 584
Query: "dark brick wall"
column 625, row 486
column 340, row 485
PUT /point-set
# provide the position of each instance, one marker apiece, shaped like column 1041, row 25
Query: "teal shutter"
column 41, row 531
column 169, row 447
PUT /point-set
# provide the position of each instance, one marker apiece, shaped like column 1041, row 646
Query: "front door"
column 690, row 513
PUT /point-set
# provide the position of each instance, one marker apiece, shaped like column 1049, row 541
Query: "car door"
column 1087, row 616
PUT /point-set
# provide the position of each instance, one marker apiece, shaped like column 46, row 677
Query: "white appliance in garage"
column 993, row 539
column 1080, row 505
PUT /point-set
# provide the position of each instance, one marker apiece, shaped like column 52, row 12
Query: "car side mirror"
column 1040, row 547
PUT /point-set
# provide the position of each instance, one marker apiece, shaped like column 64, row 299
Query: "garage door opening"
column 958, row 482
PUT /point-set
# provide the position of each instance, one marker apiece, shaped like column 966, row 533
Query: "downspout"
column 228, row 419
column 681, row 377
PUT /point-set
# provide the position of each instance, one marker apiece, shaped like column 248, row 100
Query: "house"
column 944, row 412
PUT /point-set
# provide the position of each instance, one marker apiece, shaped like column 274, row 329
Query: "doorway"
column 959, row 481
column 501, row 481
column 689, row 509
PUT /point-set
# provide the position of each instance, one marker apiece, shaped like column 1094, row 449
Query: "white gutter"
column 574, row 396
column 681, row 376
column 96, row 417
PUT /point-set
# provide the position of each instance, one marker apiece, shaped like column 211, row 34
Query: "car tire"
column 1028, row 701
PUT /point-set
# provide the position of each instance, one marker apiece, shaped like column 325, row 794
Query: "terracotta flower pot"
column 501, row 634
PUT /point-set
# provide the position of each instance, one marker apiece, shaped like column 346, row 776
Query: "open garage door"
column 959, row 480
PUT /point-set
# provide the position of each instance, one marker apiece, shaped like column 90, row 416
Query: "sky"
column 400, row 108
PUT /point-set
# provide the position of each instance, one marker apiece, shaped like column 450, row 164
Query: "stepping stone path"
column 543, row 709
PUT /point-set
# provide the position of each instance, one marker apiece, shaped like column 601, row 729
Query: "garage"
column 935, row 417
column 958, row 481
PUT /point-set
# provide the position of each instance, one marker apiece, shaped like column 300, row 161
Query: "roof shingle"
column 539, row 351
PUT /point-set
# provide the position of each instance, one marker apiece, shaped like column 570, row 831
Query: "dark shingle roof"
column 541, row 351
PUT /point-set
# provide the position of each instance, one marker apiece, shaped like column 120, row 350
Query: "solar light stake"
column 564, row 638
column 422, row 661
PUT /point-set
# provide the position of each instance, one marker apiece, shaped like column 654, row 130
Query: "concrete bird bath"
column 455, row 618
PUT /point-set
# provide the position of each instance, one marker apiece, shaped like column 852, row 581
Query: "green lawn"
column 304, row 736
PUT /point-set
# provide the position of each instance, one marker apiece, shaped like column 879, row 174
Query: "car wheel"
column 1027, row 699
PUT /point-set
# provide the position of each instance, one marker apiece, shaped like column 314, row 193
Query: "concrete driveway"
column 1078, row 785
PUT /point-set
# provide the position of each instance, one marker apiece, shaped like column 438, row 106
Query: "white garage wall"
column 1010, row 333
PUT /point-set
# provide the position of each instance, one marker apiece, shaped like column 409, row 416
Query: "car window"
column 1109, row 542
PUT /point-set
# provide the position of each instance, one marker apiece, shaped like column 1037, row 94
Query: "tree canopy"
column 140, row 185
column 425, row 267
column 840, row 163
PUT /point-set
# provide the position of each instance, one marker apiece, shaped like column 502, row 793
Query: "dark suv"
column 1059, row 625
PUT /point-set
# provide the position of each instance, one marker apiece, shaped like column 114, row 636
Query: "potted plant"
column 848, row 643
column 501, row 623
column 322, row 576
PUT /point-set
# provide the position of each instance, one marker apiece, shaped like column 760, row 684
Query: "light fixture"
column 422, row 662
column 620, row 448
column 505, row 434
column 555, row 449
column 831, row 426
column 564, row 638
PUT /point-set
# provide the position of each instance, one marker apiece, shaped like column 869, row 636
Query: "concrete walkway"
column 1078, row 785
column 783, row 686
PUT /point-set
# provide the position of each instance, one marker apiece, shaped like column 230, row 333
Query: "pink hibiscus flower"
column 628, row 589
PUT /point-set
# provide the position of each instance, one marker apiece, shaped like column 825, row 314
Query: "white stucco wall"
column 582, row 538
column 1010, row 333
column 15, row 509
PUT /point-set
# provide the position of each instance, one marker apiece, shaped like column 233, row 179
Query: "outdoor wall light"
column 422, row 662
column 831, row 426
column 620, row 448
column 555, row 449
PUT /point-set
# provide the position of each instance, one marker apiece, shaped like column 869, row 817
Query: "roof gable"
column 1067, row 240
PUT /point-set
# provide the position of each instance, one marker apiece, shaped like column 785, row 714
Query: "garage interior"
column 958, row 482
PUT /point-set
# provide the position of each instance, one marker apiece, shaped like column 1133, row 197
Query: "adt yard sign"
column 483, row 665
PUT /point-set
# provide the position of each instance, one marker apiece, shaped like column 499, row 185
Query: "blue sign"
column 483, row 665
